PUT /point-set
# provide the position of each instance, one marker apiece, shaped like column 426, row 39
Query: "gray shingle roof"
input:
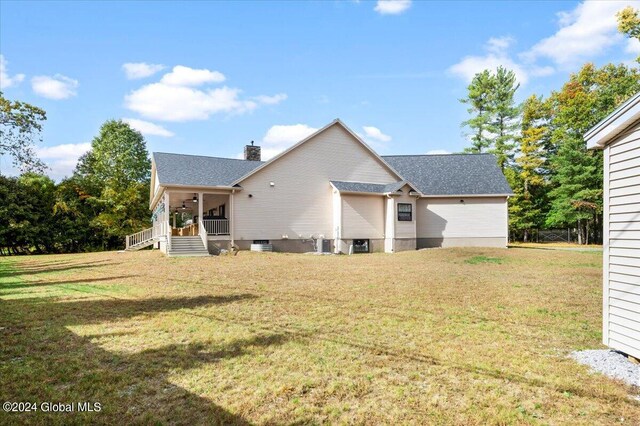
column 451, row 174
column 374, row 188
column 196, row 170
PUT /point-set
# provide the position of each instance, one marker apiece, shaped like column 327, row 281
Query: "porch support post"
column 231, row 213
column 200, row 212
column 167, row 210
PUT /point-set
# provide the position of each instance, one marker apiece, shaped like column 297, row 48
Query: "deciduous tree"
column 527, row 207
column 114, row 178
column 588, row 97
column 20, row 127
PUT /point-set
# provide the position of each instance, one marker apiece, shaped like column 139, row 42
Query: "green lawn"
column 446, row 336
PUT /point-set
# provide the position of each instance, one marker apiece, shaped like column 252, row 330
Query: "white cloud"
column 5, row 80
column 497, row 55
column 62, row 159
column 136, row 70
column 375, row 134
column 185, row 76
column 280, row 137
column 173, row 98
column 392, row 7
column 271, row 100
column 147, row 128
column 175, row 103
column 56, row 87
column 499, row 44
column 438, row 152
column 585, row 32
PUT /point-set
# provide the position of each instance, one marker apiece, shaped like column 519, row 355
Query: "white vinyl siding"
column 481, row 217
column 300, row 202
column 405, row 229
column 621, row 304
column 362, row 216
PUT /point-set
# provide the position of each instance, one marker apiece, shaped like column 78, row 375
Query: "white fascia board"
column 615, row 123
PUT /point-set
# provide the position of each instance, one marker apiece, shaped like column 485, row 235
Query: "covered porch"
column 193, row 212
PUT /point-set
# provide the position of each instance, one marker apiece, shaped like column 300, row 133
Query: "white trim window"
column 405, row 212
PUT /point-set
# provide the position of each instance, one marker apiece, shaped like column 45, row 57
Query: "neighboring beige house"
column 328, row 192
column 619, row 136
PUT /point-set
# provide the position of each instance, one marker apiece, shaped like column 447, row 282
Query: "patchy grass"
column 413, row 338
column 557, row 245
column 483, row 259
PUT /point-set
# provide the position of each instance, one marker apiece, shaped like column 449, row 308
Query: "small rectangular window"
column 260, row 241
column 405, row 212
column 361, row 246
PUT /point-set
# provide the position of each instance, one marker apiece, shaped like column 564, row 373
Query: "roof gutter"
column 162, row 188
column 202, row 186
column 466, row 195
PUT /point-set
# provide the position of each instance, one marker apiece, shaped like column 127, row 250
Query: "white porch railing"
column 202, row 232
column 146, row 236
column 139, row 237
column 216, row 226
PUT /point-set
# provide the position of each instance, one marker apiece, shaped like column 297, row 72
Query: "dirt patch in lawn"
column 414, row 337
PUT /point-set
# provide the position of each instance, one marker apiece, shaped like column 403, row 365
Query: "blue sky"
column 207, row 78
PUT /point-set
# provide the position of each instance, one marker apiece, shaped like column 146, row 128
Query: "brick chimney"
column 252, row 152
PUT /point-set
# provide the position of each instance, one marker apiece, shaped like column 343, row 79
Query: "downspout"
column 506, row 243
column 388, row 223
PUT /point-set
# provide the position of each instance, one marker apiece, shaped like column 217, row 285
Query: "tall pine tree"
column 480, row 106
column 494, row 123
column 504, row 114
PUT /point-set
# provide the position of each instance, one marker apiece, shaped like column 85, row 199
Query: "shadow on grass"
column 42, row 360
column 8, row 270
column 45, row 283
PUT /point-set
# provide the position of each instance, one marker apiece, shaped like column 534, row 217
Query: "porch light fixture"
column 195, row 198
column 183, row 206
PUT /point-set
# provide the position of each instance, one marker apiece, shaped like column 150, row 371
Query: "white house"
column 619, row 136
column 329, row 187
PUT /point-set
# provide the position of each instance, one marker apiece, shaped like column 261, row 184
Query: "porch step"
column 187, row 246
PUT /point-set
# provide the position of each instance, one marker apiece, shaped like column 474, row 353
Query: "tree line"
column 539, row 143
column 105, row 198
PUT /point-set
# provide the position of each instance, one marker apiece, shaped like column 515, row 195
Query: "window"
column 405, row 212
column 361, row 246
column 260, row 241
